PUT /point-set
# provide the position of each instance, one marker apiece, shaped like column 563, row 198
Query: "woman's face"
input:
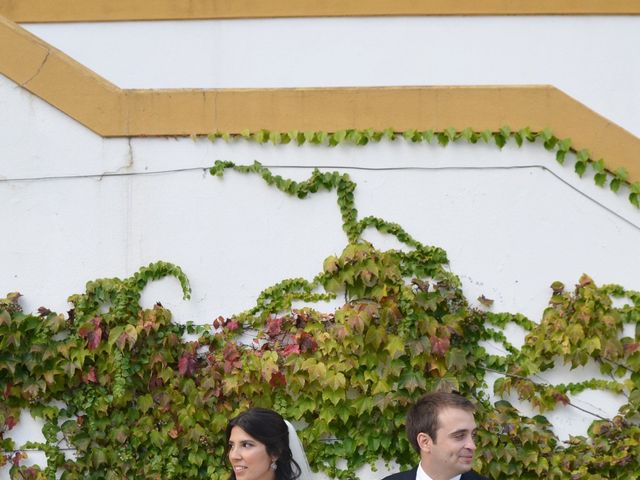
column 249, row 457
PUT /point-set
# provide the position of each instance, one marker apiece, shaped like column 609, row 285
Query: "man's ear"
column 424, row 442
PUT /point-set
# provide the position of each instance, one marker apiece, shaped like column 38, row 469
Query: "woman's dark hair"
column 267, row 427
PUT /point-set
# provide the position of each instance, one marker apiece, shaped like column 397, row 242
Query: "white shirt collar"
column 422, row 475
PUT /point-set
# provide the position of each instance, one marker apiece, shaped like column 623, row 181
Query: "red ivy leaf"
column 158, row 358
column 439, row 346
column 219, row 322
column 231, row 357
column 232, row 325
column 17, row 457
column 148, row 324
column 90, row 376
column 129, row 336
column 307, row 342
column 561, row 398
column 301, row 318
column 278, row 380
column 10, row 422
column 7, row 390
column 340, row 332
column 94, row 338
column 274, row 327
column 187, row 365
column 291, row 349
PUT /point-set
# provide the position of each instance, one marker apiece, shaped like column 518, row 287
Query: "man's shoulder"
column 471, row 475
column 411, row 475
column 406, row 475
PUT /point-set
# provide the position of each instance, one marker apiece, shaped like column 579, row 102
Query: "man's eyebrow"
column 462, row 430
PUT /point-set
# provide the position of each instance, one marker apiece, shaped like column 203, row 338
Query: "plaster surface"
column 80, row 207
column 591, row 58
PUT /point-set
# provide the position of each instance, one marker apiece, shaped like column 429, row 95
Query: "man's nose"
column 470, row 444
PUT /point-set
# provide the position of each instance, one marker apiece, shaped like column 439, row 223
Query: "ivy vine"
column 122, row 387
column 562, row 147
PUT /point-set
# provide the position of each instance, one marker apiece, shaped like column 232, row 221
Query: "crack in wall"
column 129, row 155
column 126, row 166
column 44, row 61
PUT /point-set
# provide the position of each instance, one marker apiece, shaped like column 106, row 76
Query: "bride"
column 261, row 445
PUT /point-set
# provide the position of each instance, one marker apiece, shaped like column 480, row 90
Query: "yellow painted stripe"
column 112, row 112
column 108, row 10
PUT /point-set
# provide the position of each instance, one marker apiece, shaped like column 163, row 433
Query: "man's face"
column 451, row 452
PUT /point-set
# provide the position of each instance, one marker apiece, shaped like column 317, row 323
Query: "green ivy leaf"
column 389, row 134
column 275, row 138
column 486, row 136
column 615, row 184
column 550, row 143
column 395, row 345
column 600, row 179
column 500, row 139
column 546, row 134
column 443, row 139
column 622, row 174
column 564, row 144
column 468, row 135
column 450, row 133
column 409, row 135
column 518, row 138
column 428, row 135
column 145, row 403
column 582, row 156
column 598, row 166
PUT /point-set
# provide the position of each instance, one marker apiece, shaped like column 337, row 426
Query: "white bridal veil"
column 297, row 451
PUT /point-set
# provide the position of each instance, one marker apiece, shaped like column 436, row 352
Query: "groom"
column 440, row 426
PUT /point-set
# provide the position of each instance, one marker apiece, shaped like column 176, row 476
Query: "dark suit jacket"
column 411, row 475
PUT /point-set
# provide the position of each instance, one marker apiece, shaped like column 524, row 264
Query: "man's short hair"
column 423, row 415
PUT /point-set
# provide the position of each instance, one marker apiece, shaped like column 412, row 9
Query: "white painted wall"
column 593, row 59
column 512, row 221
